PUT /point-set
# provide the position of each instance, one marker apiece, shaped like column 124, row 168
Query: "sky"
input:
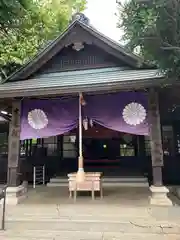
column 102, row 16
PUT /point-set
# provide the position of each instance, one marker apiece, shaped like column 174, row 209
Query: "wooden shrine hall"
column 83, row 63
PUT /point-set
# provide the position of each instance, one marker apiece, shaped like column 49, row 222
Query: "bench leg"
column 93, row 195
column 101, row 191
column 75, row 193
column 92, row 191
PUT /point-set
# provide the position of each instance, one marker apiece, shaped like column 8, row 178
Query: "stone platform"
column 47, row 214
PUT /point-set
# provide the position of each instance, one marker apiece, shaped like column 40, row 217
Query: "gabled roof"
column 56, row 45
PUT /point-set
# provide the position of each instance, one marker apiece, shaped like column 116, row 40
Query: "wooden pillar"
column 14, row 145
column 159, row 192
column 155, row 137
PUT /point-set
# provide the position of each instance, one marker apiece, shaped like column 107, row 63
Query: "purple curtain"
column 44, row 118
column 125, row 112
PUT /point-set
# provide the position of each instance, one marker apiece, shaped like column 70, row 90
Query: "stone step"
column 123, row 184
column 57, row 184
column 125, row 179
column 104, row 179
column 82, row 227
column 31, row 219
column 80, row 209
column 46, row 228
column 88, row 222
column 81, row 212
column 58, row 179
column 107, row 181
column 63, row 217
column 64, row 235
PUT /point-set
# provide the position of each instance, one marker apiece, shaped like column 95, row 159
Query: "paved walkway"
column 110, row 219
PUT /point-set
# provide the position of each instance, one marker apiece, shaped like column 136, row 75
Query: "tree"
column 154, row 25
column 40, row 22
column 11, row 11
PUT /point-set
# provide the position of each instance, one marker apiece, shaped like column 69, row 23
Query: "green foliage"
column 11, row 11
column 155, row 27
column 30, row 27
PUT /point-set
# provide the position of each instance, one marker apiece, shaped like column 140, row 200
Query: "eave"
column 82, row 81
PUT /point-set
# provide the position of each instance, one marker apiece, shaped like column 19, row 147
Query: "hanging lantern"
column 85, row 123
column 91, row 122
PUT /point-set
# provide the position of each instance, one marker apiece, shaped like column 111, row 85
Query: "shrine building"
column 130, row 115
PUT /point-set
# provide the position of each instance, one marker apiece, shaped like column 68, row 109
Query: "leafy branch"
column 26, row 25
column 155, row 27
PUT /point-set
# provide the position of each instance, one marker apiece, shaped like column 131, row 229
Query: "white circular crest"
column 134, row 113
column 37, row 119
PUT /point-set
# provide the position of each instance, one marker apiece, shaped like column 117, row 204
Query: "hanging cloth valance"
column 125, row 112
column 45, row 118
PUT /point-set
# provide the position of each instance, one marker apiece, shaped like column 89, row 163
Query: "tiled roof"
column 85, row 81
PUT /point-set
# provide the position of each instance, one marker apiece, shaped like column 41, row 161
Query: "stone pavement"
column 90, row 220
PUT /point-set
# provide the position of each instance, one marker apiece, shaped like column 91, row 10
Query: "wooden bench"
column 92, row 183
